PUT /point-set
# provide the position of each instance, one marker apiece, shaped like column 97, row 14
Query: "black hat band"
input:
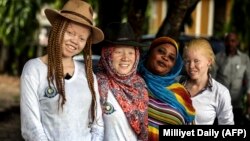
column 78, row 15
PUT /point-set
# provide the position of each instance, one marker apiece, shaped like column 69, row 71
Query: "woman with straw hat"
column 59, row 96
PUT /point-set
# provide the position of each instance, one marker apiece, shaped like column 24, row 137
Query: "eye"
column 196, row 61
column 131, row 53
column 186, row 62
column 172, row 58
column 69, row 32
column 82, row 39
column 117, row 52
column 161, row 51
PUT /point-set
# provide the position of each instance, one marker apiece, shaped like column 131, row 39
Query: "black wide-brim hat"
column 121, row 34
column 78, row 11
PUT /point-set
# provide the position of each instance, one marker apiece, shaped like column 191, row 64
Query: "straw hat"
column 80, row 12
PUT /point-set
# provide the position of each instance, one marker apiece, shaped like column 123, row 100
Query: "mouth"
column 192, row 72
column 124, row 65
column 161, row 64
column 71, row 47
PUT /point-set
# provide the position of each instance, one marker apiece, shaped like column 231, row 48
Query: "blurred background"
column 24, row 30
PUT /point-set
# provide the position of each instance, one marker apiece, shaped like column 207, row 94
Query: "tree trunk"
column 136, row 16
column 177, row 10
column 3, row 57
column 109, row 11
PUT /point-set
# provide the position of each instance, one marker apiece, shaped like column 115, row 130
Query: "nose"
column 164, row 57
column 191, row 64
column 74, row 39
column 125, row 56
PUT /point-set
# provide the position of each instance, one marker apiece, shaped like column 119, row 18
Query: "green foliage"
column 19, row 27
column 241, row 21
column 18, row 22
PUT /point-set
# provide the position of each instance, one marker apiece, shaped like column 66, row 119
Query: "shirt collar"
column 209, row 85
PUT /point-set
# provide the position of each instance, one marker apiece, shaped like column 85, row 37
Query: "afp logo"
column 242, row 133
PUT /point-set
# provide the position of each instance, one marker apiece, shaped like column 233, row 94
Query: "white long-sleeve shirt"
column 214, row 101
column 117, row 127
column 40, row 118
column 211, row 103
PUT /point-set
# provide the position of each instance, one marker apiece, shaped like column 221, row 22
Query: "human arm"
column 97, row 129
column 224, row 110
column 31, row 127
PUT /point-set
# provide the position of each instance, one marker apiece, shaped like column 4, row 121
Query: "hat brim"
column 130, row 43
column 97, row 34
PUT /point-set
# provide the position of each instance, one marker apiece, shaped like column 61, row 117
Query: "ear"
column 209, row 63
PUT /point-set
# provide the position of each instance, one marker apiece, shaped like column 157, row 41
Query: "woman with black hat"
column 59, row 96
column 124, row 96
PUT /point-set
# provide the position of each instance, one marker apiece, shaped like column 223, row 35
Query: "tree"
column 241, row 23
column 107, row 14
column 18, row 32
column 137, row 16
column 133, row 11
column 177, row 11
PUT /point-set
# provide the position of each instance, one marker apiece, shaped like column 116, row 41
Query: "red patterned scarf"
column 129, row 90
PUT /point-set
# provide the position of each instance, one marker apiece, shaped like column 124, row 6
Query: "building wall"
column 203, row 17
column 209, row 15
column 158, row 14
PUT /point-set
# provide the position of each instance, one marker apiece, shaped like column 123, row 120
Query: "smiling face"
column 198, row 58
column 123, row 58
column 161, row 59
column 75, row 39
column 196, row 64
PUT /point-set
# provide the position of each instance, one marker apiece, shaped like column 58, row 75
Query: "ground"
column 9, row 109
column 9, row 91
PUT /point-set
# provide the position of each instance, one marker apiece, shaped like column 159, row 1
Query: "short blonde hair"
column 203, row 45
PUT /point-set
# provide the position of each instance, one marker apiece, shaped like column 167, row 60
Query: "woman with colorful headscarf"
column 123, row 92
column 169, row 102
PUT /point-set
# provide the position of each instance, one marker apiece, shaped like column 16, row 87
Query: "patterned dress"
column 161, row 113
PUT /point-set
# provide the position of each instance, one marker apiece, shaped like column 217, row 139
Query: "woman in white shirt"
column 59, row 96
column 210, row 99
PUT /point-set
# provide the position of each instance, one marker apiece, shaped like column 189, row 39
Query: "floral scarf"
column 158, row 87
column 129, row 90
